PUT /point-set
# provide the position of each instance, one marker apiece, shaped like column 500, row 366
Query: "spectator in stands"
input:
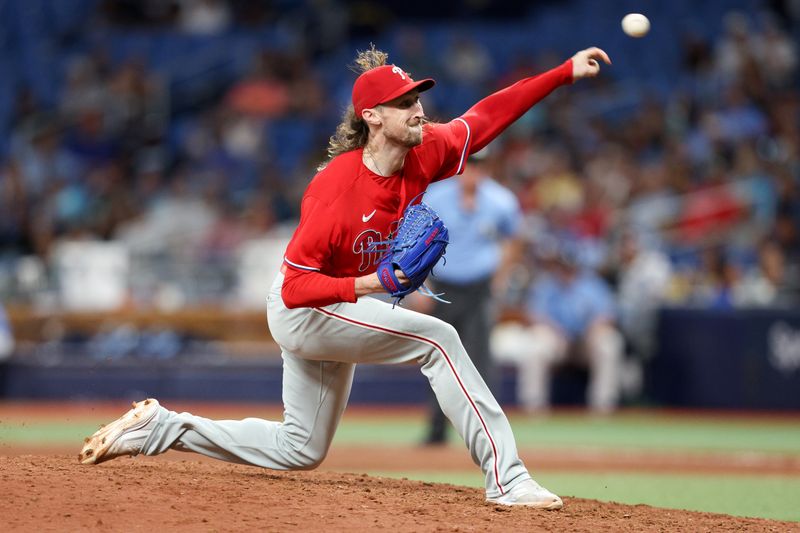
column 174, row 227
column 39, row 154
column 203, row 17
column 85, row 87
column 468, row 61
column 6, row 347
column 767, row 284
column 653, row 203
column 643, row 281
column 140, row 107
column 714, row 279
column 571, row 315
column 734, row 99
column 776, row 53
column 414, row 52
column 264, row 91
column 484, row 220
column 733, row 50
column 6, row 336
column 89, row 141
column 13, row 237
column 786, row 230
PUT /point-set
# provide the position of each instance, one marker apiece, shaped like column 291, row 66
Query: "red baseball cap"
column 384, row 83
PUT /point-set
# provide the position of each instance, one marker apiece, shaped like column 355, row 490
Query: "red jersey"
column 346, row 207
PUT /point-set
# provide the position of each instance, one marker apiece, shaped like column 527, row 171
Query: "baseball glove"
column 418, row 244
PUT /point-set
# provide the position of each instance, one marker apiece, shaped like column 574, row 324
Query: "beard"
column 410, row 137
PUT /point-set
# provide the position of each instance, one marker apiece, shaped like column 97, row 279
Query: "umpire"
column 484, row 220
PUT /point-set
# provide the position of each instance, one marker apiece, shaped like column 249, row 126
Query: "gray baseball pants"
column 320, row 348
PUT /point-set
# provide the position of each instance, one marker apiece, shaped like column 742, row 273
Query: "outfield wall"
column 727, row 359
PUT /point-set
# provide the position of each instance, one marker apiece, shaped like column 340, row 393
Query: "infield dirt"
column 176, row 492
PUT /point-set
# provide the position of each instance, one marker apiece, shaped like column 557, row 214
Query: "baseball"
column 635, row 25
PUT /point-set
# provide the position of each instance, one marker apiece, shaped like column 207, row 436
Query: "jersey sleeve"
column 447, row 149
column 489, row 117
column 310, row 247
column 312, row 289
column 308, row 253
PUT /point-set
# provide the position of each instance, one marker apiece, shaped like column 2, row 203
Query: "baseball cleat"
column 123, row 436
column 529, row 494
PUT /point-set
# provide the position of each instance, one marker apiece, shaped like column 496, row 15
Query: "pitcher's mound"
column 143, row 494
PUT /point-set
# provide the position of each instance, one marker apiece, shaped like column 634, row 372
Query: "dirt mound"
column 55, row 493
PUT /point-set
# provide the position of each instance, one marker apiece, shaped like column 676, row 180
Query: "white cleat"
column 123, row 436
column 529, row 494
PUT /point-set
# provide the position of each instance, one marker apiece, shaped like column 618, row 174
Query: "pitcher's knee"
column 305, row 461
column 304, row 458
column 445, row 341
column 447, row 336
column 298, row 453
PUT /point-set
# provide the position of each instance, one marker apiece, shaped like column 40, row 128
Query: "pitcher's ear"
column 371, row 116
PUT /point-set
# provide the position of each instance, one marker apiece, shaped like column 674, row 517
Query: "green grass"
column 699, row 434
column 758, row 496
column 44, row 433
column 762, row 496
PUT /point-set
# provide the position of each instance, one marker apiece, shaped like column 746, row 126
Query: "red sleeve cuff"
column 348, row 290
column 312, row 289
column 566, row 67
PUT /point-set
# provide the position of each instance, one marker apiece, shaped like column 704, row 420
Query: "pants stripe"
column 449, row 362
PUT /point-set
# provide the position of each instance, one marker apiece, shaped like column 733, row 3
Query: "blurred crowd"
column 686, row 192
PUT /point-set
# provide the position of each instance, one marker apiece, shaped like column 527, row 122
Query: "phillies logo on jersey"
column 364, row 245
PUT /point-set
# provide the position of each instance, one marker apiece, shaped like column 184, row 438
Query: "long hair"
column 352, row 132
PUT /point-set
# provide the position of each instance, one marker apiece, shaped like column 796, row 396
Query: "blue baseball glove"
column 418, row 244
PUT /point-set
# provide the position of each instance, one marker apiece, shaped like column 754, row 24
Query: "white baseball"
column 635, row 24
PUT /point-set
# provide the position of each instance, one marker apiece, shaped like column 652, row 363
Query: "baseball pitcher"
column 383, row 155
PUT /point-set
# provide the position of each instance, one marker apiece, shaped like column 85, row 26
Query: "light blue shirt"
column 474, row 252
column 5, row 326
column 573, row 306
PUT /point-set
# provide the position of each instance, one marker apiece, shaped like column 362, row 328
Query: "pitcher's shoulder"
column 338, row 177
